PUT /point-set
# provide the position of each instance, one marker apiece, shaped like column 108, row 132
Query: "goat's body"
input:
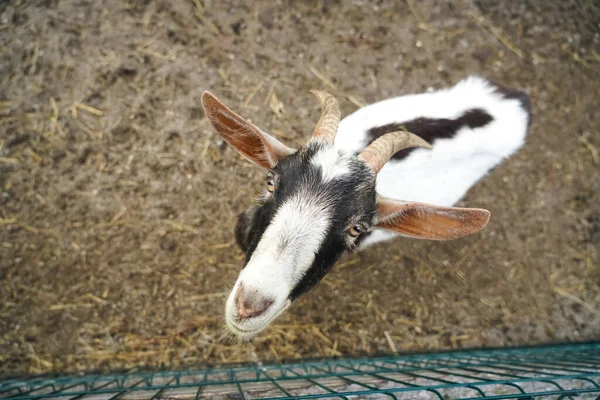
column 325, row 198
column 472, row 126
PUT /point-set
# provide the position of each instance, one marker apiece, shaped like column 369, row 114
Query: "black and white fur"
column 293, row 236
column 472, row 127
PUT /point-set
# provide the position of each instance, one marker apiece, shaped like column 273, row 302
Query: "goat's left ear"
column 254, row 144
column 427, row 221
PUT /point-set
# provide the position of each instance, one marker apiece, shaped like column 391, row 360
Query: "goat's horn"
column 381, row 150
column 330, row 116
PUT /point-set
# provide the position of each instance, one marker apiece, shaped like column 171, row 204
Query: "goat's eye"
column 356, row 230
column 270, row 184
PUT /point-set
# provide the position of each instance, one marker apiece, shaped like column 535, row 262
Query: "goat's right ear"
column 257, row 146
column 426, row 221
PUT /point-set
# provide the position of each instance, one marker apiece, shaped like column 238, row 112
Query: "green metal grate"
column 556, row 372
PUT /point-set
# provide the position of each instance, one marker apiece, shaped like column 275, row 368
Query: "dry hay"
column 118, row 200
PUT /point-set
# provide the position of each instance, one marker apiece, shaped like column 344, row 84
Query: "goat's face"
column 316, row 204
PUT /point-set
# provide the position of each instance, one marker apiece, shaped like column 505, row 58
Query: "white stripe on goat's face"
column 283, row 255
column 331, row 164
column 293, row 238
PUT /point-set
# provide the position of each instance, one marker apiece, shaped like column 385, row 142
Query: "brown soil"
column 117, row 200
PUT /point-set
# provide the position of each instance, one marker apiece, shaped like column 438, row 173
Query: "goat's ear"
column 247, row 139
column 427, row 221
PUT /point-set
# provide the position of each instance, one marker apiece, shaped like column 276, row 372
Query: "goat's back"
column 472, row 127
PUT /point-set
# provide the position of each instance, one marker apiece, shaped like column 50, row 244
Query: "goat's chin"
column 247, row 330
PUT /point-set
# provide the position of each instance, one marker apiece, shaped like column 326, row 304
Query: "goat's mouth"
column 247, row 329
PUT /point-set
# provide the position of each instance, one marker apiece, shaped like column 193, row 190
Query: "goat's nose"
column 251, row 304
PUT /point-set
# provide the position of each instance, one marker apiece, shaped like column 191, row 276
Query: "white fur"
column 285, row 252
column 332, row 165
column 443, row 175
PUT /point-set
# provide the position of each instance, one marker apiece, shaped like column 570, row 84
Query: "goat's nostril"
column 252, row 305
column 240, row 294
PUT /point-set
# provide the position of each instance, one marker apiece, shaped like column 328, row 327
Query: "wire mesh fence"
column 556, row 372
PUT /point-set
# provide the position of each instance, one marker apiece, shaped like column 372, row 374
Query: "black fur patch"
column 514, row 94
column 243, row 227
column 431, row 129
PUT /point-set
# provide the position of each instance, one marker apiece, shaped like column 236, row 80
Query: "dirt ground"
column 117, row 200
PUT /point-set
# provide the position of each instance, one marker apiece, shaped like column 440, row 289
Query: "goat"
column 340, row 190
